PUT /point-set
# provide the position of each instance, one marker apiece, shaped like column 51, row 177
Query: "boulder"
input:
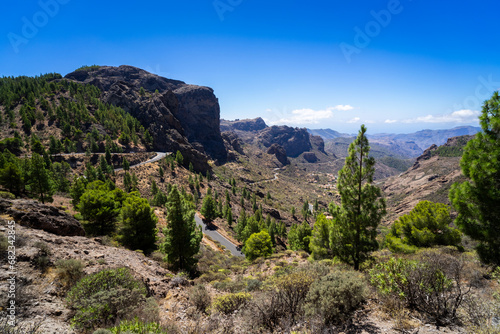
column 36, row 215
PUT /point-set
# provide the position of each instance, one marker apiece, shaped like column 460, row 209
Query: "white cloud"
column 343, row 107
column 307, row 116
column 390, row 121
column 354, row 120
column 459, row 116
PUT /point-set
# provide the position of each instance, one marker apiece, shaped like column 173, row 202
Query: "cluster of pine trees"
column 32, row 103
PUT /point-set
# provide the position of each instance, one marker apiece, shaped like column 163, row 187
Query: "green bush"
column 433, row 284
column 258, row 245
column 7, row 195
column 428, row 224
column 292, row 290
column 200, row 298
column 103, row 298
column 230, row 285
column 69, row 271
column 231, row 302
column 335, row 296
column 138, row 327
column 253, row 285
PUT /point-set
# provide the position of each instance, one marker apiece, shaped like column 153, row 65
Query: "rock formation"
column 178, row 116
column 256, row 124
column 42, row 217
column 279, row 152
column 294, row 140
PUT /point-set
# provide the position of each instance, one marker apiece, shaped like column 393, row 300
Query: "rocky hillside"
column 430, row 178
column 281, row 140
column 177, row 115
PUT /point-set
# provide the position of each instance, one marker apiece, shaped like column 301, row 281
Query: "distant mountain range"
column 408, row 145
column 425, row 138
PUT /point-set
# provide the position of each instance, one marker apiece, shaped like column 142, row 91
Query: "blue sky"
column 397, row 66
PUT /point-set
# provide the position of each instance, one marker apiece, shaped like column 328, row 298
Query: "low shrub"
column 253, row 285
column 102, row 331
column 42, row 259
column 231, row 302
column 335, row 296
column 7, row 195
column 292, row 290
column 69, row 271
column 230, row 285
column 433, row 284
column 481, row 314
column 138, row 327
column 103, row 298
column 199, row 298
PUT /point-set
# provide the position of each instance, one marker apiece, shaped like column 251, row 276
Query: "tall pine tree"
column 182, row 236
column 40, row 183
column 477, row 201
column 355, row 222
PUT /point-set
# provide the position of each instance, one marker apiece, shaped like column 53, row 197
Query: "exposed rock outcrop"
column 255, row 124
column 294, row 140
column 318, row 143
column 280, row 153
column 178, row 116
column 310, row 157
column 42, row 217
column 233, row 142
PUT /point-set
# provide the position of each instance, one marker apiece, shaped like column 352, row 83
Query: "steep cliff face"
column 294, row 140
column 178, row 116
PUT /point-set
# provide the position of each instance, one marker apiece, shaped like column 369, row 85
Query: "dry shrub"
column 434, row 284
column 199, row 298
column 69, row 271
column 280, row 306
column 231, row 302
column 335, row 296
column 481, row 314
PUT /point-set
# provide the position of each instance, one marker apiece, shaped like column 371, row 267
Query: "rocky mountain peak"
column 178, row 116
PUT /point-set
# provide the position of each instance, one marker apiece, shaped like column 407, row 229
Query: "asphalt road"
column 159, row 156
column 212, row 233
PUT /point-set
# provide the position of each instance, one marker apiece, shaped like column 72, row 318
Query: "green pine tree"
column 477, row 200
column 125, row 164
column 209, row 208
column 40, row 183
column 11, row 177
column 138, row 224
column 182, row 236
column 320, row 239
column 354, row 230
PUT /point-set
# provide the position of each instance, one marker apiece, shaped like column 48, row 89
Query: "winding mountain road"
column 159, row 156
column 212, row 233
